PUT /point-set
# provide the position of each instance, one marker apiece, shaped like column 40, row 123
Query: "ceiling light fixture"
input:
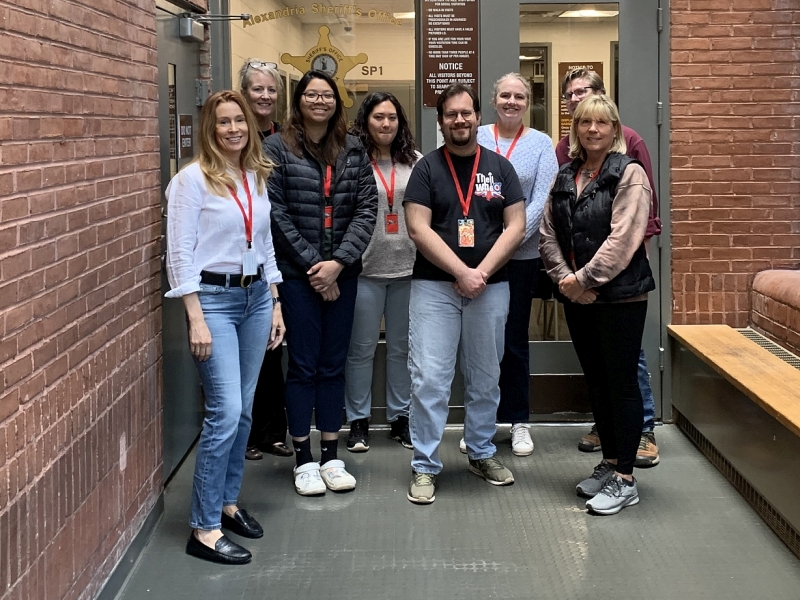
column 589, row 14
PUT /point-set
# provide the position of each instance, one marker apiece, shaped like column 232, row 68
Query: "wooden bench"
column 741, row 405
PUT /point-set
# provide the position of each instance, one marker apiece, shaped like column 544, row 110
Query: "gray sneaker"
column 615, row 495
column 421, row 490
column 492, row 470
column 591, row 487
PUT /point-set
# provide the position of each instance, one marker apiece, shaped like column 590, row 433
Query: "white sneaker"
column 335, row 477
column 462, row 445
column 307, row 481
column 521, row 442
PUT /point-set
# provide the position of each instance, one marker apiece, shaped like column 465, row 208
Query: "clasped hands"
column 322, row 277
column 572, row 289
column 471, row 283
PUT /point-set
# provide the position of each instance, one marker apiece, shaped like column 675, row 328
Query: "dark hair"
column 332, row 143
column 457, row 89
column 403, row 146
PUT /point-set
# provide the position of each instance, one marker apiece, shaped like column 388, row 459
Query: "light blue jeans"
column 387, row 298
column 239, row 321
column 648, row 402
column 443, row 324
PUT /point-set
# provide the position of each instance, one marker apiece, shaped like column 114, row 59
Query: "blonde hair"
column 213, row 164
column 518, row 77
column 594, row 107
column 254, row 64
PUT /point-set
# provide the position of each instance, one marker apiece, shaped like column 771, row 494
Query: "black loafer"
column 224, row 551
column 242, row 524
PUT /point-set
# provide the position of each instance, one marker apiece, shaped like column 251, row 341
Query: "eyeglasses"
column 453, row 115
column 257, row 64
column 314, row 96
column 579, row 93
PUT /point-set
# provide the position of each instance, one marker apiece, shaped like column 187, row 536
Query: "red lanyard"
column 328, row 175
column 471, row 187
column 514, row 143
column 248, row 218
column 389, row 190
column 271, row 128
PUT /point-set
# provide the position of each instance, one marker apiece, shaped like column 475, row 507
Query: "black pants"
column 515, row 377
column 607, row 339
column 269, row 402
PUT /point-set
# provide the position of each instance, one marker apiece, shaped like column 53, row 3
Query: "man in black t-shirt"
column 465, row 212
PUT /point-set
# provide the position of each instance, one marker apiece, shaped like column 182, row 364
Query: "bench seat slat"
column 763, row 377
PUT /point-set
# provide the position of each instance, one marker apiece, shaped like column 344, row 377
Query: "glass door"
column 619, row 42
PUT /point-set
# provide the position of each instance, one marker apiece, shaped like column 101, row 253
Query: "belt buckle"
column 246, row 278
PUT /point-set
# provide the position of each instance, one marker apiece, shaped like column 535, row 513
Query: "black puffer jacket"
column 296, row 192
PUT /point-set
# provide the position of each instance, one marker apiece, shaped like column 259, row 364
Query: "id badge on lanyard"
column 249, row 260
column 466, row 226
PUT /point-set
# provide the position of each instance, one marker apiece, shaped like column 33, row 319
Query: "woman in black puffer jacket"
column 324, row 204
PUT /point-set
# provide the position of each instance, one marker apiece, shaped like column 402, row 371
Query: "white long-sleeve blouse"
column 206, row 232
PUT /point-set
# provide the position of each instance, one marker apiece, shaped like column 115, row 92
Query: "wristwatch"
column 275, row 300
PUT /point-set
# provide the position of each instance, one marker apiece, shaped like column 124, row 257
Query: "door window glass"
column 554, row 39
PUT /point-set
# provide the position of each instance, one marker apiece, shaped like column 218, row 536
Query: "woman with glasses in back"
column 221, row 263
column 384, row 286
column 262, row 87
column 324, row 209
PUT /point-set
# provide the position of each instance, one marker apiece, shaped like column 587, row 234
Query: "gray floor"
column 691, row 536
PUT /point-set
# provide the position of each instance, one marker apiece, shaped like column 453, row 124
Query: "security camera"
column 348, row 28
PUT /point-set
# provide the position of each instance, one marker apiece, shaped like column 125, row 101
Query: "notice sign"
column 449, row 46
column 185, row 138
column 564, row 118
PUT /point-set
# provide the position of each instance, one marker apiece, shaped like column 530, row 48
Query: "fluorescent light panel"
column 589, row 14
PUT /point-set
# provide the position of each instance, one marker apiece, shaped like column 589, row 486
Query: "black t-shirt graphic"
column 496, row 187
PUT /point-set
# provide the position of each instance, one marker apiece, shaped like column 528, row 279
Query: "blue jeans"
column 648, row 403
column 443, row 324
column 515, row 375
column 239, row 321
column 317, row 338
column 387, row 298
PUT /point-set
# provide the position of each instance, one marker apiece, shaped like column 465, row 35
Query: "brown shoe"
column 278, row 449
column 590, row 442
column 647, row 454
column 253, row 453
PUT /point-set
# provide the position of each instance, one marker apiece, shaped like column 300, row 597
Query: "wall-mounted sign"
column 564, row 118
column 450, row 44
column 185, row 137
column 327, row 57
column 319, row 8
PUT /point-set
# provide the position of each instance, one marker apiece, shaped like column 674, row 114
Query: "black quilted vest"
column 583, row 224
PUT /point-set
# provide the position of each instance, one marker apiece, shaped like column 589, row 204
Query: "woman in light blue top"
column 531, row 152
column 384, row 286
column 221, row 263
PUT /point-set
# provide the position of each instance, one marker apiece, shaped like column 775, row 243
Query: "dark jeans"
column 608, row 339
column 515, row 366
column 269, row 404
column 317, row 338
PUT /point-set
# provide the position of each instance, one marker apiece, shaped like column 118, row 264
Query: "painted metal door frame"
column 182, row 399
column 643, row 93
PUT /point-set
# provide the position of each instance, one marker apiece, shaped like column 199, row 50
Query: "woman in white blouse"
column 221, row 262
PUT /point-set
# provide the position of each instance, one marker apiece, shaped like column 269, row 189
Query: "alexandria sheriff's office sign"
column 317, row 8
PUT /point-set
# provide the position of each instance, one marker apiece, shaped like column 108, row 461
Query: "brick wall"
column 80, row 352
column 735, row 146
